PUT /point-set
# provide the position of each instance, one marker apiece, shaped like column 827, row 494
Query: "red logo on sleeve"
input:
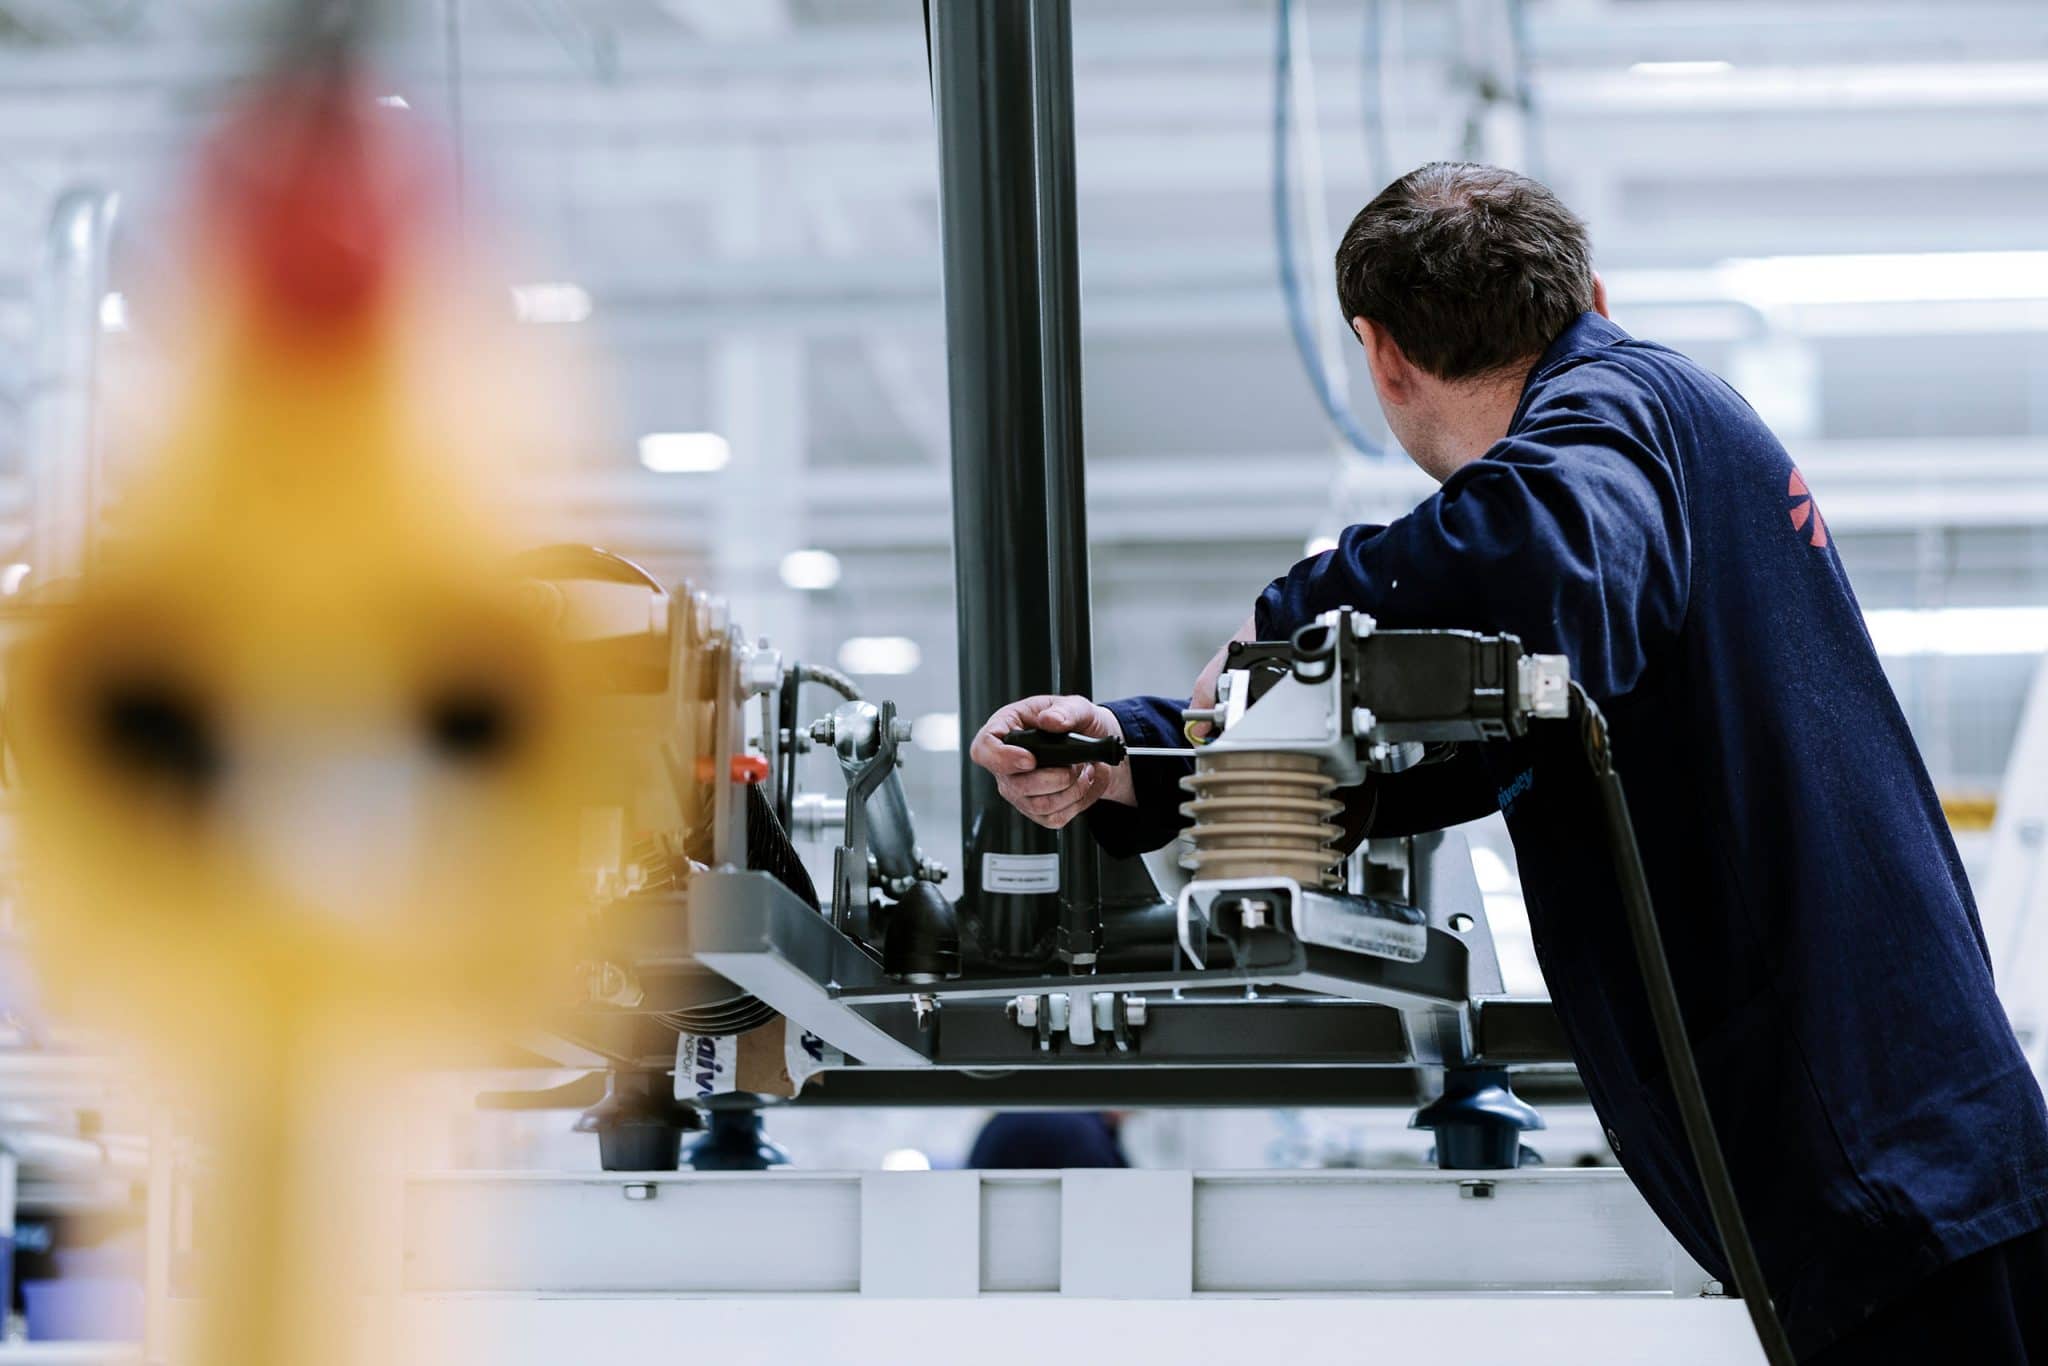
column 1805, row 511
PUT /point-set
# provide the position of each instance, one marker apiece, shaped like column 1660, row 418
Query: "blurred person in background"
column 1049, row 1141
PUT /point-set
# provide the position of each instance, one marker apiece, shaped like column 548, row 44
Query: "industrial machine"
column 1265, row 964
column 1260, row 966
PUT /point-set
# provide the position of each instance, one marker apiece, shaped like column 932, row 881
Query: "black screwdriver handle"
column 1057, row 750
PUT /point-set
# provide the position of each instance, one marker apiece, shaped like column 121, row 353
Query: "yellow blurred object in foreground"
column 299, row 766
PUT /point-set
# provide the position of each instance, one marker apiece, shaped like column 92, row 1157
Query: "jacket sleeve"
column 1570, row 533
column 1127, row 831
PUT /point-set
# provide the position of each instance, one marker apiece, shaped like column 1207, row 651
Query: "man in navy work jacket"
column 1608, row 499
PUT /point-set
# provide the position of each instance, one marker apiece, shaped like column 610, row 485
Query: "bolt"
column 1462, row 923
column 638, row 1190
column 1135, row 1011
column 924, row 1006
column 1362, row 720
column 1024, row 1010
column 899, row 730
column 1362, row 625
column 1714, row 1290
column 1476, row 1190
column 822, row 730
column 1252, row 916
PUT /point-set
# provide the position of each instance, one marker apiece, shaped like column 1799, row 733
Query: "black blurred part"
column 159, row 734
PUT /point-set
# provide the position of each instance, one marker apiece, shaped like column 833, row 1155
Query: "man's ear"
column 1600, row 297
column 1393, row 374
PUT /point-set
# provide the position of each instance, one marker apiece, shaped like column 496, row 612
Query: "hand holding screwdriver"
column 1053, row 749
column 1072, row 776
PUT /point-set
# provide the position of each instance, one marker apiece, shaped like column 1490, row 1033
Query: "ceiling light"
column 684, row 452
column 810, row 571
column 937, row 731
column 1707, row 68
column 1889, row 277
column 114, row 312
column 551, row 302
column 880, row 655
column 1959, row 630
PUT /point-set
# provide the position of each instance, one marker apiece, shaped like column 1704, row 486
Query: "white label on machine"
column 805, row 1055
column 1020, row 874
column 706, row 1065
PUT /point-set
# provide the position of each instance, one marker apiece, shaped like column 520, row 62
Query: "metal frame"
column 1558, row 1233
column 1224, row 1032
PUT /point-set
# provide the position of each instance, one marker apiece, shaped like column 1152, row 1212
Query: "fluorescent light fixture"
column 1958, row 630
column 1707, row 68
column 114, row 312
column 880, row 655
column 810, row 571
column 393, row 102
column 12, row 578
column 1888, row 277
column 1316, row 545
column 551, row 301
column 937, row 731
column 684, row 452
column 905, row 1160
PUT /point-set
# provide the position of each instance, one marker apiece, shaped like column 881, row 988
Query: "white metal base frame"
column 1563, row 1266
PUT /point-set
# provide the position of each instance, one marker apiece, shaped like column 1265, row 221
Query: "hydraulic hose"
column 1322, row 376
column 1672, row 1040
column 831, row 678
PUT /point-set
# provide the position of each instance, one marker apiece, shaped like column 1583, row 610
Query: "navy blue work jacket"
column 1638, row 517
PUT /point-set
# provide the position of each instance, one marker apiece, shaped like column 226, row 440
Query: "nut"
column 761, row 673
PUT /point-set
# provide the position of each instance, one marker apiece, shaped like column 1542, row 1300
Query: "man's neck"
column 1477, row 415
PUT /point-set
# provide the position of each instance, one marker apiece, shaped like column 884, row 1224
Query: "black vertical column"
column 1002, row 80
column 1079, row 937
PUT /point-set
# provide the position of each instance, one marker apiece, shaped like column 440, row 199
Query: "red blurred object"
column 746, row 768
column 315, row 194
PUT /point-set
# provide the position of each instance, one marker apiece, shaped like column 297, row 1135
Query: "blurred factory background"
column 1839, row 205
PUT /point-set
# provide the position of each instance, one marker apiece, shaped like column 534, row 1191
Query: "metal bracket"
column 850, row 859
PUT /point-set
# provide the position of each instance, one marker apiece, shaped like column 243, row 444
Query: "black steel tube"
column 982, row 78
column 1079, row 939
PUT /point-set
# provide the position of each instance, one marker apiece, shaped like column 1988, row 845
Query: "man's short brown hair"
column 1470, row 268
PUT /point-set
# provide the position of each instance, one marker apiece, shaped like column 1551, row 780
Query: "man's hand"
column 1204, row 695
column 1052, row 796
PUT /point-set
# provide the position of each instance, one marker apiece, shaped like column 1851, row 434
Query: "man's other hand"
column 1052, row 796
column 1204, row 696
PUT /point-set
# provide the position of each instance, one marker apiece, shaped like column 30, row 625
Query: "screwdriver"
column 1054, row 749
